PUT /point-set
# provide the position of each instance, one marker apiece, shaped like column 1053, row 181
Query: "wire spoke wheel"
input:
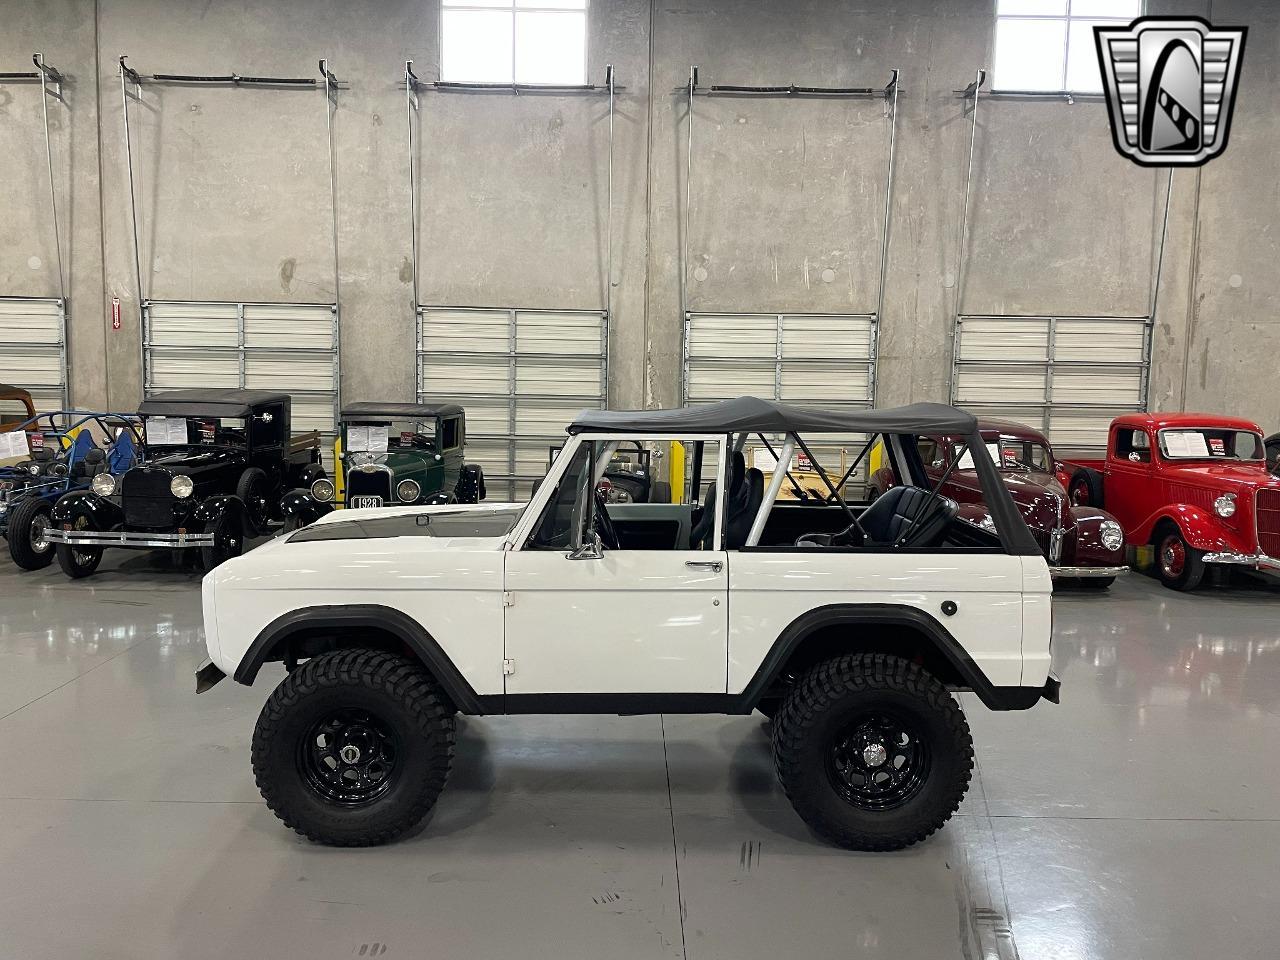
column 349, row 757
column 878, row 761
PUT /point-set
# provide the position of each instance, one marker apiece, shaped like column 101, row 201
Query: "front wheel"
column 353, row 748
column 872, row 751
column 78, row 562
column 27, row 525
column 228, row 541
column 1180, row 565
column 253, row 489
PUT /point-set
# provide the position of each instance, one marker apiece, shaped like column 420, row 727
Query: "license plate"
column 359, row 503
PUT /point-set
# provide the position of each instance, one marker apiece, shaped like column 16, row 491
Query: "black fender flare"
column 100, row 511
column 212, row 509
column 301, row 504
column 872, row 614
column 341, row 618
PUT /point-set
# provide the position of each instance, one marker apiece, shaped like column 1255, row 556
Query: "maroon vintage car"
column 1081, row 543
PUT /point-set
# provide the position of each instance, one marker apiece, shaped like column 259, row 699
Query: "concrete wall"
column 787, row 195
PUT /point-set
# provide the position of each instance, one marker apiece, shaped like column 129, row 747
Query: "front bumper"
column 127, row 538
column 1086, row 573
column 1259, row 561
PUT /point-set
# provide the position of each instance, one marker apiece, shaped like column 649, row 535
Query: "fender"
column 100, row 511
column 342, row 619
column 1202, row 529
column 301, row 504
column 871, row 614
column 211, row 509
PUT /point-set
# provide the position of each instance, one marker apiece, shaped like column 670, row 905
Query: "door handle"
column 713, row 565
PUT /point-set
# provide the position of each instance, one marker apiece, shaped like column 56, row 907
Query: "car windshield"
column 390, row 435
column 13, row 411
column 194, row 432
column 1010, row 453
column 1210, row 443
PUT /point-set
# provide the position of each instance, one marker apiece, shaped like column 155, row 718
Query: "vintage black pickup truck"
column 217, row 462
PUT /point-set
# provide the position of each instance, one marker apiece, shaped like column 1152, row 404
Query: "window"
column 1133, row 445
column 525, row 41
column 1210, row 444
column 1048, row 45
column 451, row 433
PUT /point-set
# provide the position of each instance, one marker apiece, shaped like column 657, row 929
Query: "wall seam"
column 109, row 403
column 1193, row 308
column 646, row 395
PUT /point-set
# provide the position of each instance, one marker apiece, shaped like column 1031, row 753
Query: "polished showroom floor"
column 1139, row 819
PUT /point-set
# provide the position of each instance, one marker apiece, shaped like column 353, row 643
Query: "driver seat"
column 907, row 511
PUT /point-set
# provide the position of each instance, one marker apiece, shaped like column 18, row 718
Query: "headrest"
column 42, row 454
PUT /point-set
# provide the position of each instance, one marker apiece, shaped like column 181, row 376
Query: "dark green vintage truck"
column 393, row 454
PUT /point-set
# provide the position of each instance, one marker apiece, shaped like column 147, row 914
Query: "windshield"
column 1009, row 453
column 392, row 435
column 1206, row 443
column 194, row 432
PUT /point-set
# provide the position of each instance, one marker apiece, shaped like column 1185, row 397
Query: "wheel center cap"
column 874, row 755
column 350, row 753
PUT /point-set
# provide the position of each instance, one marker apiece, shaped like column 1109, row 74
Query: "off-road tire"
column 21, row 549
column 228, row 541
column 403, row 696
column 823, row 702
column 253, row 487
column 770, row 706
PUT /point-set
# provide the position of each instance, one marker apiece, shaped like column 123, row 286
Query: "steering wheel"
column 604, row 526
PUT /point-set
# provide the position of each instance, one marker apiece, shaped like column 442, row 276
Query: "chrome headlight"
column 322, row 489
column 103, row 484
column 407, row 491
column 1111, row 534
column 1225, row 505
column 182, row 486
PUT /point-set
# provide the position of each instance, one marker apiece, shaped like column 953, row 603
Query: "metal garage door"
column 1067, row 376
column 522, row 376
column 33, row 352
column 803, row 358
column 277, row 346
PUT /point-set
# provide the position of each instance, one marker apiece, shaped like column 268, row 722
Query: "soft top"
column 398, row 411
column 769, row 416
column 208, row 402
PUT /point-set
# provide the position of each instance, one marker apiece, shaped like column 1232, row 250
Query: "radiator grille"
column 146, row 499
column 1268, row 514
column 375, row 484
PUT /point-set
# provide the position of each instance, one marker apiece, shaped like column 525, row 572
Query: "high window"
column 1048, row 45
column 525, row 41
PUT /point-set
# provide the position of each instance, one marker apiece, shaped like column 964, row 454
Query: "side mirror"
column 592, row 548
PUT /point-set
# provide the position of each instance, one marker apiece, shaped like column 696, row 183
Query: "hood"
column 194, row 461
column 1252, row 474
column 453, row 521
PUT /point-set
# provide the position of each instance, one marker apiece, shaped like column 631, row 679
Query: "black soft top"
column 377, row 409
column 209, row 402
column 754, row 415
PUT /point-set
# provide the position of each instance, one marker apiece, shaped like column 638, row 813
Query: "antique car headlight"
column 182, row 486
column 103, row 484
column 1111, row 534
column 407, row 491
column 1225, row 505
column 322, row 489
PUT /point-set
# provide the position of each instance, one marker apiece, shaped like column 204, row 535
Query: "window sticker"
column 14, row 444
column 406, row 438
column 166, row 431
column 208, row 431
column 37, row 441
column 1185, row 443
column 1217, row 446
column 367, row 439
column 966, row 461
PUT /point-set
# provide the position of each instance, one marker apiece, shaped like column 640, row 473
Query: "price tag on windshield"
column 13, row 443
column 1217, row 446
column 208, row 431
column 166, row 431
column 37, row 441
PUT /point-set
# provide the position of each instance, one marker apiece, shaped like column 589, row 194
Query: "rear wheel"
column 353, row 748
column 1180, row 565
column 78, row 562
column 27, row 525
column 1085, row 489
column 872, row 751
column 228, row 541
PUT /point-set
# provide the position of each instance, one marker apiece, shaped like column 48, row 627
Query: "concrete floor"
column 1141, row 818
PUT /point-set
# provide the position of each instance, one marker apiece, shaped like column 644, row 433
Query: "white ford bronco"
column 848, row 624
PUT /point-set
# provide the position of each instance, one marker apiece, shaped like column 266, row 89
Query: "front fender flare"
column 211, row 510
column 1202, row 529
column 301, row 504
column 99, row 511
column 342, row 619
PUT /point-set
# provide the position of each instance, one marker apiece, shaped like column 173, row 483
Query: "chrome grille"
column 376, row 483
column 145, row 497
column 1267, row 514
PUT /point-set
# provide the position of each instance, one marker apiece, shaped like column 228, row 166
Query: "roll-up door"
column 522, row 375
column 1067, row 376
column 33, row 353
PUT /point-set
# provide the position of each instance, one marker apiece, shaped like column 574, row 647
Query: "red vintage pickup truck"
column 1194, row 486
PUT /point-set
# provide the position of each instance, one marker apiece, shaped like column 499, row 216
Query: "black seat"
column 908, row 517
column 704, row 522
column 741, row 510
column 92, row 463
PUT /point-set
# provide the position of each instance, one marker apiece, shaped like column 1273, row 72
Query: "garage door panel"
column 296, row 327
column 808, row 337
column 1086, row 385
column 448, row 378
column 723, row 338
column 563, row 378
column 1004, row 339
column 32, row 353
column 1100, row 341
column 561, row 334
column 172, row 369
column 466, row 331
column 827, row 383
column 997, row 386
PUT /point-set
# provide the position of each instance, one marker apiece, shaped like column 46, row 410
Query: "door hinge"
column 508, row 667
column 507, row 599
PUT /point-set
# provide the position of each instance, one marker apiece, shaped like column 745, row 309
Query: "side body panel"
column 453, row 588
column 768, row 590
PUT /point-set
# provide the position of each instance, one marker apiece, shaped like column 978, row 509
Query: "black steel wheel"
column 78, row 562
column 253, row 489
column 354, row 747
column 873, row 752
column 228, row 541
column 27, row 525
column 1086, row 489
